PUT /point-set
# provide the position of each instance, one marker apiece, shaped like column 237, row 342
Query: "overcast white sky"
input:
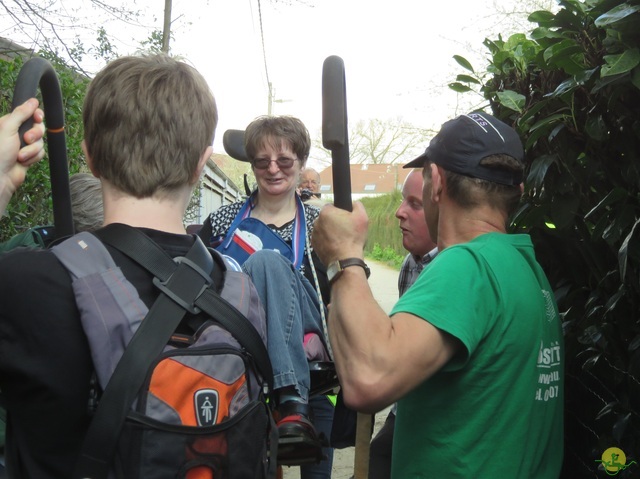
column 397, row 54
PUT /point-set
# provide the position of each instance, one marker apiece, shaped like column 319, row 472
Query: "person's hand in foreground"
column 15, row 161
column 340, row 234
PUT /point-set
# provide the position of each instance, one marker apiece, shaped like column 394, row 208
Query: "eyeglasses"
column 283, row 163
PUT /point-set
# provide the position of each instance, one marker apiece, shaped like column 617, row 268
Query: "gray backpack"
column 182, row 389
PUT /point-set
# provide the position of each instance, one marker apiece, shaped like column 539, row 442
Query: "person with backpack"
column 15, row 161
column 149, row 124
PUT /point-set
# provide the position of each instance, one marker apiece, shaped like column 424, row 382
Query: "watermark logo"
column 614, row 460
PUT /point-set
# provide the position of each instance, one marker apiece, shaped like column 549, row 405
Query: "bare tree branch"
column 52, row 25
column 381, row 142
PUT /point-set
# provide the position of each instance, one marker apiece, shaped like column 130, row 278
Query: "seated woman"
column 289, row 281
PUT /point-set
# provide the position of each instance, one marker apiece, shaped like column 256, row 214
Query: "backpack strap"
column 109, row 305
column 181, row 282
column 148, row 254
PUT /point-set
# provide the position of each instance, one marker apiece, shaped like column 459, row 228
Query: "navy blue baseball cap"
column 462, row 142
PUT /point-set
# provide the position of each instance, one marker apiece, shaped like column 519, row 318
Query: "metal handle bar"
column 39, row 72
column 335, row 136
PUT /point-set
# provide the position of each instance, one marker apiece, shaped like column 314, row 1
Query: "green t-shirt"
column 496, row 409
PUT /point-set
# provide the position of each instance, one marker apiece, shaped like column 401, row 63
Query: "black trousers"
column 380, row 450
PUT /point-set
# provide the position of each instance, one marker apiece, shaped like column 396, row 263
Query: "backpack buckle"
column 190, row 307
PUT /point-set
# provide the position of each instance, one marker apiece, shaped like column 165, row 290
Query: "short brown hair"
column 471, row 192
column 147, row 121
column 277, row 129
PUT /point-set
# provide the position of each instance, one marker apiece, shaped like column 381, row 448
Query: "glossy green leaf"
column 467, row 79
column 609, row 408
column 635, row 77
column 538, row 170
column 596, row 128
column 607, row 82
column 546, row 122
column 591, row 335
column 623, row 220
column 564, row 87
column 459, row 87
column 572, row 65
column 556, row 129
column 562, row 49
column 614, row 196
column 584, row 76
column 512, row 100
column 514, row 40
column 533, row 137
column 543, row 32
column 623, row 252
column 621, row 63
column 613, row 300
column 502, row 60
column 463, row 62
column 541, row 17
column 616, row 14
column 576, row 6
column 568, row 21
column 620, row 427
column 531, row 112
column 599, row 228
column 493, row 46
column 565, row 210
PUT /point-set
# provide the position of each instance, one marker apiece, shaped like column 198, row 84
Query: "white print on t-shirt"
column 549, row 357
column 549, row 379
column 549, row 309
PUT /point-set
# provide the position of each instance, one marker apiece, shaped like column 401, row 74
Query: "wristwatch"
column 336, row 268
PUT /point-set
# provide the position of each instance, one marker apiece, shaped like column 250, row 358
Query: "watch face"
column 332, row 270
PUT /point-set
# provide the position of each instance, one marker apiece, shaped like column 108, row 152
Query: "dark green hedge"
column 384, row 242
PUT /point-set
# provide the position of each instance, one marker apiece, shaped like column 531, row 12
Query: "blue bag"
column 247, row 235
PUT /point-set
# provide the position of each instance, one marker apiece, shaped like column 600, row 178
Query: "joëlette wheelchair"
column 323, row 374
column 293, row 451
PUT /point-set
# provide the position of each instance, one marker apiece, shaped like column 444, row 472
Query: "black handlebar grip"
column 39, row 72
column 334, row 128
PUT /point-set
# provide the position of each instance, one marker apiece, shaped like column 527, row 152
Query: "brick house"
column 367, row 180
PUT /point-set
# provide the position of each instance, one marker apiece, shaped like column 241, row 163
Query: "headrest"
column 233, row 142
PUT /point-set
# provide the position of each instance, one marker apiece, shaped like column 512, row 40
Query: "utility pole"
column 166, row 31
column 272, row 99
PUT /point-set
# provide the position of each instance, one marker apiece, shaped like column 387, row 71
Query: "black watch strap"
column 336, row 268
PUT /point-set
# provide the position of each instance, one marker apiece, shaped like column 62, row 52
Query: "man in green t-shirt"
column 473, row 352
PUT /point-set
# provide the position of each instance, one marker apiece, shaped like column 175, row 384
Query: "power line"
column 264, row 56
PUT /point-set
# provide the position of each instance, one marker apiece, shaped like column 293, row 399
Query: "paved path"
column 384, row 284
